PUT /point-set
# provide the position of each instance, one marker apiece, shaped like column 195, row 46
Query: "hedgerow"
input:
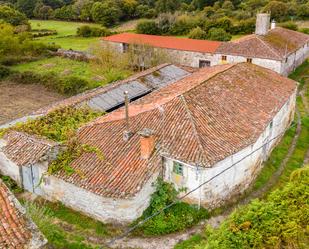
column 279, row 221
column 176, row 218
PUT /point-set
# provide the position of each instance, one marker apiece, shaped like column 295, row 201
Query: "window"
column 286, row 59
column 224, row 58
column 204, row 63
column 125, row 47
column 249, row 60
column 271, row 125
column 178, row 168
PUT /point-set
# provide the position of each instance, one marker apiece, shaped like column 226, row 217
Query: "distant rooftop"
column 169, row 42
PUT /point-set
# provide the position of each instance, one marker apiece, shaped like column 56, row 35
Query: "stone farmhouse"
column 187, row 127
column 278, row 49
column 16, row 230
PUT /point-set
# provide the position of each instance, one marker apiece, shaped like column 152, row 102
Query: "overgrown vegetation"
column 177, row 218
column 12, row 185
column 58, row 125
column 65, row 228
column 279, row 221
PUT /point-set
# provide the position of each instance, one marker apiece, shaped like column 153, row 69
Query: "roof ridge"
column 199, row 142
column 270, row 48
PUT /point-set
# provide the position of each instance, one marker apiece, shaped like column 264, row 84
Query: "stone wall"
column 98, row 207
column 237, row 179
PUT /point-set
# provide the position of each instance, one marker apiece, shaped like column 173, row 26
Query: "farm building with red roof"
column 278, row 49
column 191, row 127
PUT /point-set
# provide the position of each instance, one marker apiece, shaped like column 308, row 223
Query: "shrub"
column 304, row 30
column 87, row 31
column 12, row 16
column 176, row 218
column 279, row 221
column 218, row 34
column 289, row 25
column 4, row 72
column 148, row 27
column 182, row 25
column 69, row 85
column 197, row 33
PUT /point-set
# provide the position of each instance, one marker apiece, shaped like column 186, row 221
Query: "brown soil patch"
column 18, row 100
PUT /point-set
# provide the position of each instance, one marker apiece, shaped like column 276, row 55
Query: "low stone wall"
column 74, row 55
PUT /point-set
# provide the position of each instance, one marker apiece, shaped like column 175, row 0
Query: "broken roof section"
column 17, row 231
column 111, row 97
column 276, row 45
column 168, row 42
column 200, row 120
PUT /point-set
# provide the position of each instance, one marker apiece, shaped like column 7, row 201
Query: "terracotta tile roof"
column 16, row 230
column 276, row 45
column 24, row 149
column 200, row 119
column 169, row 42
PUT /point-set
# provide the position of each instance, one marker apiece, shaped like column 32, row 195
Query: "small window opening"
column 271, row 125
column 224, row 58
column 125, row 47
column 204, row 63
column 178, row 168
column 249, row 60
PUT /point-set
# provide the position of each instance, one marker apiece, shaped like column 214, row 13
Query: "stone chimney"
column 147, row 143
column 273, row 24
column 262, row 24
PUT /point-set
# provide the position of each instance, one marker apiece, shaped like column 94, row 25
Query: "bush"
column 4, row 72
column 148, row 27
column 197, row 33
column 182, row 25
column 176, row 218
column 87, row 31
column 12, row 16
column 289, row 25
column 69, row 85
column 279, row 221
column 218, row 34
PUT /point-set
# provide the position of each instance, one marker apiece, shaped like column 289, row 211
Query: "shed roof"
column 199, row 120
column 169, row 42
column 16, row 230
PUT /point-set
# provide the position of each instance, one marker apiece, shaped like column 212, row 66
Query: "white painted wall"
column 235, row 180
column 7, row 167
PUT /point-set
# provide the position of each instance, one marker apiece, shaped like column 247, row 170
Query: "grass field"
column 60, row 66
column 66, row 37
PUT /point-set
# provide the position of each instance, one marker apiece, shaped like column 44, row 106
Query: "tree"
column 218, row 34
column 42, row 11
column 12, row 16
column 278, row 10
column 165, row 6
column 129, row 8
column 26, row 6
column 197, row 33
column 147, row 27
column 107, row 13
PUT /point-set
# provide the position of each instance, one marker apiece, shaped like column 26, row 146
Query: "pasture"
column 66, row 37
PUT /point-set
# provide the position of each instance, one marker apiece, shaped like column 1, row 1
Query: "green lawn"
column 66, row 34
column 60, row 66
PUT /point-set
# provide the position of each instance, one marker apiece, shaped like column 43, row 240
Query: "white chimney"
column 262, row 24
column 273, row 24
